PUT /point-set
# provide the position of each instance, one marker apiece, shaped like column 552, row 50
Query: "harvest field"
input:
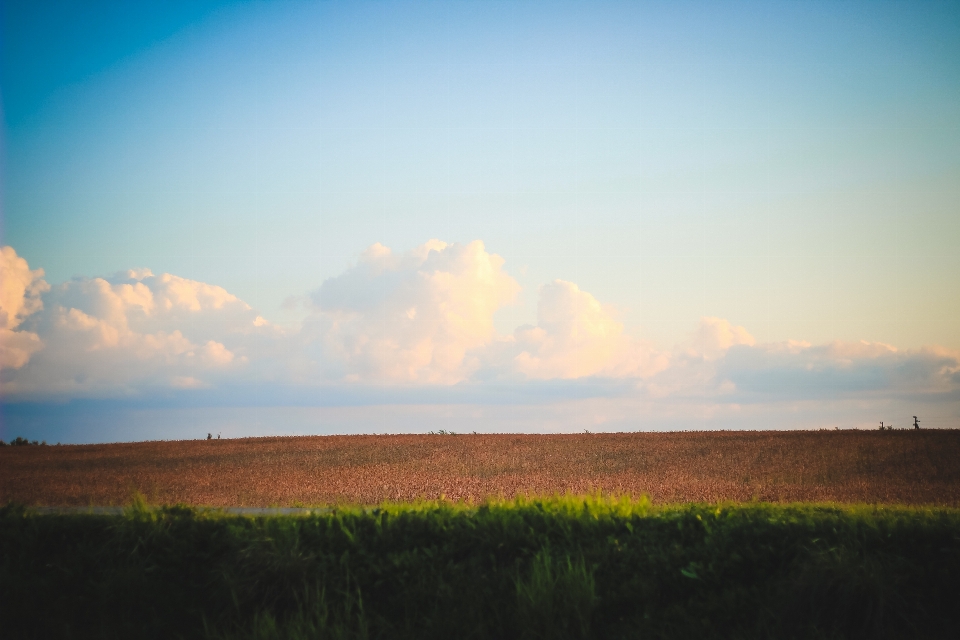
column 903, row 467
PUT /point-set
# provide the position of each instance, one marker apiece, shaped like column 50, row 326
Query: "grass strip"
column 563, row 567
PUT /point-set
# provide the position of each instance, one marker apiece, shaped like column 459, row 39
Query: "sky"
column 257, row 218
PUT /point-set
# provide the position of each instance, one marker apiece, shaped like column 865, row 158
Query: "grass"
column 556, row 598
column 565, row 567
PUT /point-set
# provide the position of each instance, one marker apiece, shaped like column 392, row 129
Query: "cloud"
column 576, row 337
column 714, row 336
column 721, row 369
column 20, row 291
column 16, row 347
column 799, row 370
column 426, row 317
column 416, row 327
column 414, row 317
column 135, row 330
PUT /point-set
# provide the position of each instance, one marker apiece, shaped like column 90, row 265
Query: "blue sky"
column 680, row 209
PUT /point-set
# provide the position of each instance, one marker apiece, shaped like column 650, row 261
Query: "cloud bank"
column 421, row 320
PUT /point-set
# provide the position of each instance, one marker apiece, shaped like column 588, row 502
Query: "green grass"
column 567, row 567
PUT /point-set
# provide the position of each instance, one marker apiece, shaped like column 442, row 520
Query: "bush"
column 559, row 568
column 23, row 442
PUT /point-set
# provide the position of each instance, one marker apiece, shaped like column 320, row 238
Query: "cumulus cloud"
column 714, row 336
column 16, row 347
column 109, row 336
column 425, row 317
column 20, row 291
column 576, row 337
column 414, row 317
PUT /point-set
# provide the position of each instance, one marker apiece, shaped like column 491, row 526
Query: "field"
column 902, row 467
column 419, row 545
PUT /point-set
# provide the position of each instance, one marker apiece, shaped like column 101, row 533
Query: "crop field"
column 902, row 467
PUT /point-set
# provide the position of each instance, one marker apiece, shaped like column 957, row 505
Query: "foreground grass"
column 571, row 567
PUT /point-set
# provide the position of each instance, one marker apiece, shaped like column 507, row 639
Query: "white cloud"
column 16, row 347
column 576, row 337
column 413, row 317
column 714, row 336
column 425, row 318
column 116, row 336
column 20, row 291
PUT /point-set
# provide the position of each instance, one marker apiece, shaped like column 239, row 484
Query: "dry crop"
column 906, row 467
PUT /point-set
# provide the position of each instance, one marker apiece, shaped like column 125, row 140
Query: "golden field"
column 904, row 467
